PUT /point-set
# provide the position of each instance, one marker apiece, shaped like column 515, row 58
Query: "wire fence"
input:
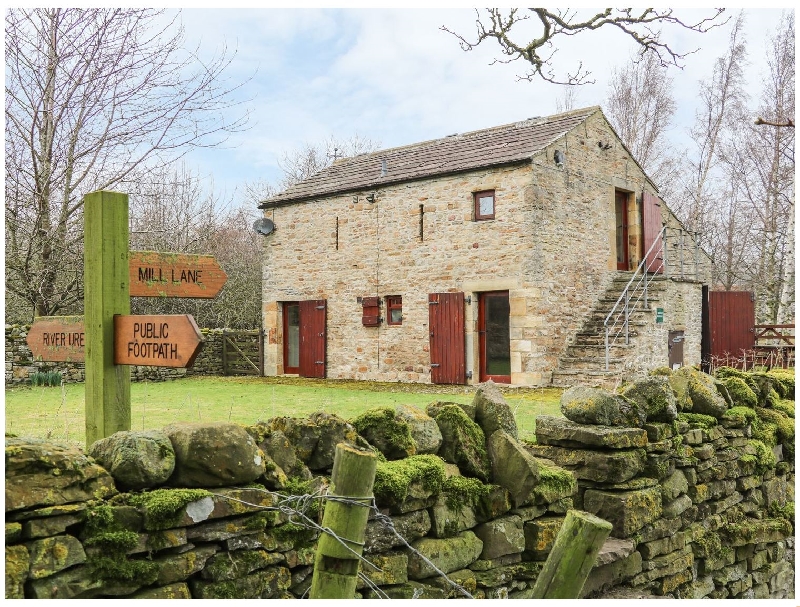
column 299, row 510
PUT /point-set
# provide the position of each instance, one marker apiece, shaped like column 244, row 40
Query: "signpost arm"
column 106, row 293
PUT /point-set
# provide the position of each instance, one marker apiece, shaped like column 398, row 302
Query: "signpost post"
column 105, row 293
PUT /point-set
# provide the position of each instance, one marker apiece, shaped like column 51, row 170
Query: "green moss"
column 708, row 546
column 163, row 506
column 778, row 424
column 785, row 406
column 784, row 381
column 752, row 530
column 785, row 512
column 112, row 562
column 555, row 481
column 114, row 541
column 662, row 371
column 392, row 479
column 297, row 535
column 113, row 568
column 698, row 420
column 99, row 518
column 741, row 393
column 745, row 415
column 297, row 486
column 382, row 428
column 463, row 491
column 765, row 458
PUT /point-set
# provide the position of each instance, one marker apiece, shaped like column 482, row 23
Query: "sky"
column 395, row 77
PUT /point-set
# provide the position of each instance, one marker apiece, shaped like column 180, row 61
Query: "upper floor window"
column 394, row 310
column 484, row 205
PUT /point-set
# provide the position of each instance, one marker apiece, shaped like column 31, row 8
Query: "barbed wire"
column 294, row 506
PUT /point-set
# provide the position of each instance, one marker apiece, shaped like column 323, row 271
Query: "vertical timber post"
column 335, row 566
column 106, row 293
column 572, row 557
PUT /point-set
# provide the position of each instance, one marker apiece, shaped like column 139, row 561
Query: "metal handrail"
column 639, row 290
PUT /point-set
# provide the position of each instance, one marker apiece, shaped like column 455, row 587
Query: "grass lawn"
column 58, row 413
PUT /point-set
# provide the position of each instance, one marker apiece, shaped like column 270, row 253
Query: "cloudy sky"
column 395, row 77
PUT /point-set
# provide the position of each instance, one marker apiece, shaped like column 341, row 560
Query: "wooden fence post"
column 106, row 292
column 572, row 557
column 336, row 567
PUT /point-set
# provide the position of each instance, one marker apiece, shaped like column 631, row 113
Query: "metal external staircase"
column 598, row 353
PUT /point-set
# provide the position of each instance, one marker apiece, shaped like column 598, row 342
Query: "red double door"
column 304, row 337
column 447, row 337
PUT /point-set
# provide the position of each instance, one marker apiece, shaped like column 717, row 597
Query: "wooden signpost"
column 58, row 338
column 175, row 275
column 108, row 338
column 169, row 340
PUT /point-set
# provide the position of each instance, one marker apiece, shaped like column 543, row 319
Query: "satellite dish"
column 264, row 226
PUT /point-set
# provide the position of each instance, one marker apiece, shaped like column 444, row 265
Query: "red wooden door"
column 446, row 323
column 312, row 338
column 651, row 237
column 732, row 316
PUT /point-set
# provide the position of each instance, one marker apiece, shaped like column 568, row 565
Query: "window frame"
column 394, row 302
column 476, row 196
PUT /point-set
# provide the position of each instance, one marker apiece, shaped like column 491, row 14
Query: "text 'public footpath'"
column 152, row 349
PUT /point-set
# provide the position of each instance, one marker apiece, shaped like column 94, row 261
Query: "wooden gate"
column 312, row 337
column 731, row 318
column 446, row 323
column 243, row 352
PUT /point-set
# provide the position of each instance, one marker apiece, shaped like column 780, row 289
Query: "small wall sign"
column 659, row 315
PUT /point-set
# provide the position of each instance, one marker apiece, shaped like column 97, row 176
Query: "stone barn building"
column 492, row 254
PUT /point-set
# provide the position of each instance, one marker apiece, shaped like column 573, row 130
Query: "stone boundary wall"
column 20, row 364
column 698, row 492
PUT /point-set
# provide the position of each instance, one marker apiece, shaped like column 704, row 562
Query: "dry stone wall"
column 700, row 502
column 20, row 364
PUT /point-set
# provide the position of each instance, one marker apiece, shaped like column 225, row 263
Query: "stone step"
column 603, row 379
column 589, row 363
column 583, row 350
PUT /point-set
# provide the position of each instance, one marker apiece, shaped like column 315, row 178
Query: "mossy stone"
column 447, row 554
column 53, row 554
column 424, row 429
column 214, row 454
column 418, row 477
column 386, row 431
column 136, row 460
column 463, row 442
column 513, row 468
column 741, row 394
column 492, row 411
column 595, row 406
column 655, row 396
column 627, row 511
column 17, row 566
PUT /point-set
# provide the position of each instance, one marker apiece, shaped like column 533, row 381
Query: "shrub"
column 45, row 378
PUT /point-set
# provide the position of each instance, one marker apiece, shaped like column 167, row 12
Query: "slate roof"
column 500, row 145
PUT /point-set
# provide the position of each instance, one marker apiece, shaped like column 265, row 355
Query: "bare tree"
column 723, row 109
column 91, row 95
column 309, row 159
column 640, row 107
column 642, row 26
column 567, row 100
column 174, row 211
column 761, row 161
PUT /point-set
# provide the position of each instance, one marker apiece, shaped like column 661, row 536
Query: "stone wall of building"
column 20, row 364
column 701, row 504
column 551, row 246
